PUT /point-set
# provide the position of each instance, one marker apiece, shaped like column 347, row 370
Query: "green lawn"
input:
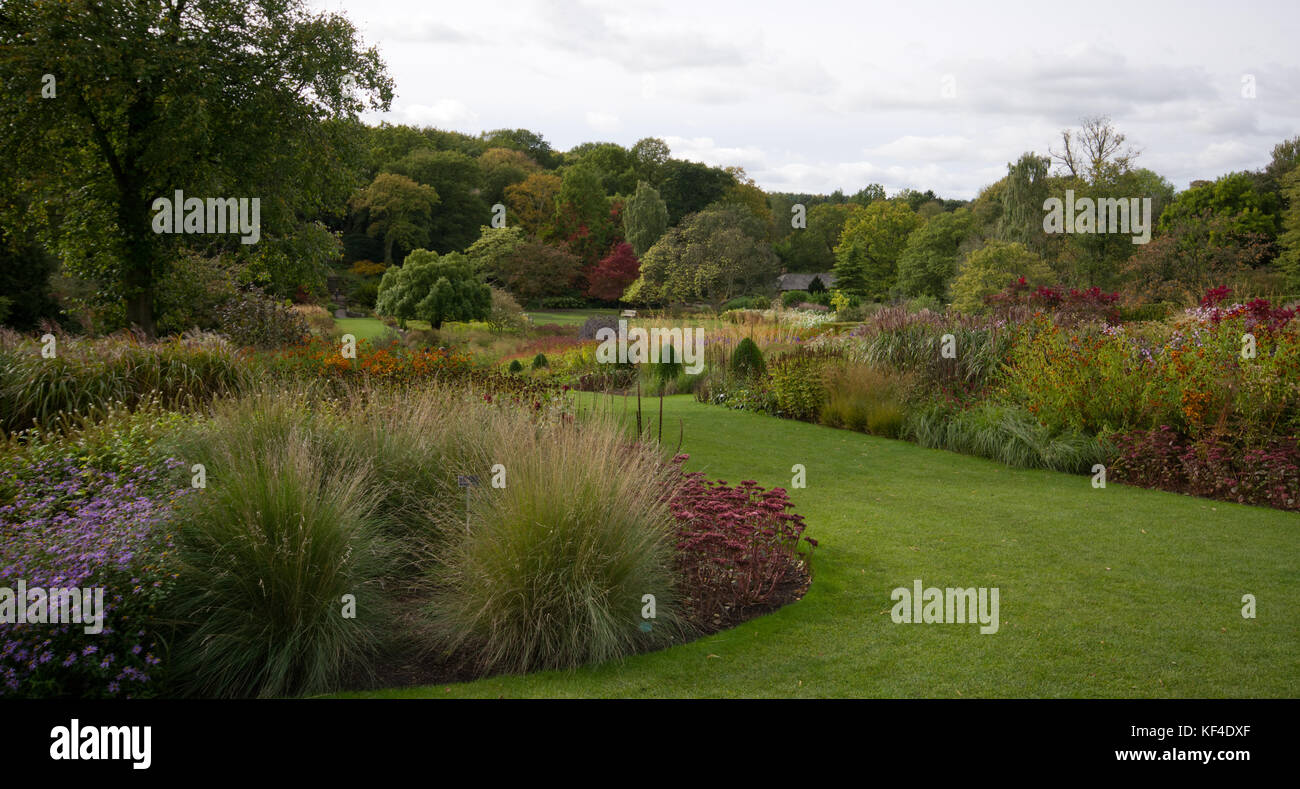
column 361, row 328
column 567, row 317
column 1120, row 592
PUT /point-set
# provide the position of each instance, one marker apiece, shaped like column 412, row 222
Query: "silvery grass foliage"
column 553, row 568
column 310, row 498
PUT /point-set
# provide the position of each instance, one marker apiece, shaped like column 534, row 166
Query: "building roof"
column 802, row 281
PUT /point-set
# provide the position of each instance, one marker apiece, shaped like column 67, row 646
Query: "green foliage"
column 1289, row 259
column 645, row 218
column 866, row 258
column 713, row 255
column 552, row 569
column 929, row 261
column 798, row 386
column 516, row 367
column 748, row 359
column 103, row 153
column 792, row 297
column 1022, row 202
column 454, row 177
column 284, row 530
column 993, row 267
column 251, row 319
column 540, row 361
column 812, row 249
column 1236, row 196
column 398, row 210
column 1008, row 434
column 433, row 288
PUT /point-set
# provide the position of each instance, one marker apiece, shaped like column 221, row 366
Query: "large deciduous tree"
column 455, row 177
column 712, row 255
column 396, row 209
column 866, row 259
column 217, row 98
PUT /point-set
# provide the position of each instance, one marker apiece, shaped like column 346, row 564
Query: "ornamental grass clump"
column 553, row 569
column 288, row 524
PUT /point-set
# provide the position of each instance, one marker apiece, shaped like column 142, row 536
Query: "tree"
column 645, row 218
column 493, row 246
column 867, row 195
column 583, row 218
column 531, row 143
column 812, row 249
column 434, row 288
column 503, row 167
column 1022, row 201
column 993, row 267
column 712, row 255
column 929, row 261
column 155, row 97
column 455, row 177
column 615, row 165
column 1286, row 157
column 1095, row 152
column 1193, row 255
column 688, row 187
column 613, row 273
column 535, row 271
column 1235, row 196
column 1289, row 259
column 396, row 209
column 866, row 259
column 650, row 154
column 531, row 204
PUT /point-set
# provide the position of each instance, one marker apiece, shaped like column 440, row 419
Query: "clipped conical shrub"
column 747, row 359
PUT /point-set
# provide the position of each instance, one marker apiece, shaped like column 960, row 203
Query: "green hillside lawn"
column 1120, row 592
column 567, row 317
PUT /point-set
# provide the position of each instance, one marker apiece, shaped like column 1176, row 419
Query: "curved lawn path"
column 1113, row 593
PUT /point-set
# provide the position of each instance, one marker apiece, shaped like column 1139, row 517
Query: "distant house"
column 802, row 281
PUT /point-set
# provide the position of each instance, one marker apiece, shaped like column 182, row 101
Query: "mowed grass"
column 1115, row 592
column 361, row 328
column 566, row 317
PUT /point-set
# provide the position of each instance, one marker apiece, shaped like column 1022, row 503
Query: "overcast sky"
column 814, row 96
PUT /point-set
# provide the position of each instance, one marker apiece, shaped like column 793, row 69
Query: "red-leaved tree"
column 610, row 277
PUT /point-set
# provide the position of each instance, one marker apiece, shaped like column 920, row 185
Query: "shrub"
column 506, row 316
column 594, row 324
column 792, row 297
column 561, row 303
column 516, row 367
column 1215, row 466
column 553, row 568
column 797, row 384
column 252, row 319
column 319, row 321
column 738, row 548
column 747, row 359
column 746, row 303
column 540, row 361
column 990, row 268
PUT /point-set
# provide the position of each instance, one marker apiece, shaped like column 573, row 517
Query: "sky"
column 813, row 96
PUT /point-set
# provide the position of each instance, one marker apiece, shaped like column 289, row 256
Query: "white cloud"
column 444, row 113
column 603, row 121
